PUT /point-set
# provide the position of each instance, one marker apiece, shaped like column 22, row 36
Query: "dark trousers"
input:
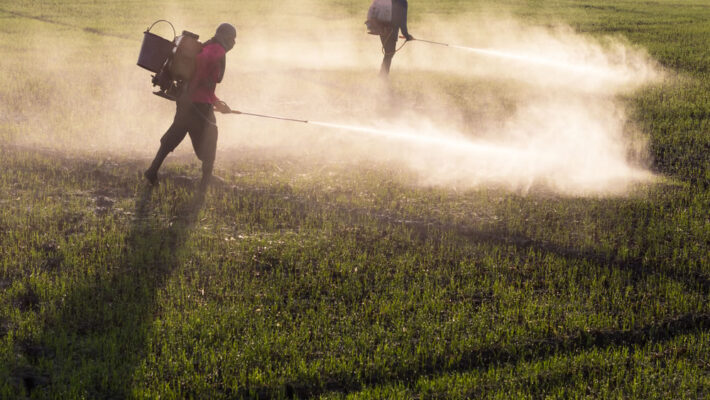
column 197, row 120
column 389, row 46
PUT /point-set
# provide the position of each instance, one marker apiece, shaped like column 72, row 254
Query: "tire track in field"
column 60, row 23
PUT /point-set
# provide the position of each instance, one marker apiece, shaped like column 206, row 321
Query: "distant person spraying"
column 386, row 18
column 195, row 107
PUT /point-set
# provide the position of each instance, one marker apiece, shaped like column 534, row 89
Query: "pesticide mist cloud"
column 540, row 105
column 508, row 104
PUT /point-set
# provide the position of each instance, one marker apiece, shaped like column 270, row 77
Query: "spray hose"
column 384, row 52
column 420, row 40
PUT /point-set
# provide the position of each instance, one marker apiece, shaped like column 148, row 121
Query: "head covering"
column 226, row 35
column 227, row 30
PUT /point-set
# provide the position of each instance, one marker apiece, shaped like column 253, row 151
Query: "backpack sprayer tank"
column 379, row 16
column 173, row 62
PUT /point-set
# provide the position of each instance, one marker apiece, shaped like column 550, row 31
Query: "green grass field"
column 325, row 279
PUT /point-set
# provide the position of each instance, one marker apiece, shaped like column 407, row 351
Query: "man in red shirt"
column 196, row 105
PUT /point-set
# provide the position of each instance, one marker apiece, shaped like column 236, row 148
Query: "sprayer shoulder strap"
column 223, row 67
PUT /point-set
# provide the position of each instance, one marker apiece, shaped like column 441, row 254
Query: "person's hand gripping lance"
column 222, row 107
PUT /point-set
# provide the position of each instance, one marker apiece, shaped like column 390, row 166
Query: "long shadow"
column 91, row 346
column 485, row 357
column 489, row 356
column 497, row 235
column 697, row 281
column 637, row 266
column 105, row 343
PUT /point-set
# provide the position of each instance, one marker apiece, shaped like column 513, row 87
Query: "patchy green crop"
column 298, row 279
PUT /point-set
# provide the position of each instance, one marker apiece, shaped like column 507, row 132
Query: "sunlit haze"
column 505, row 103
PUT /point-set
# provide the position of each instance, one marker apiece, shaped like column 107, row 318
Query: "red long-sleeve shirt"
column 208, row 72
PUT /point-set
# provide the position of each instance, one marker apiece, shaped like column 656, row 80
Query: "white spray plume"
column 507, row 104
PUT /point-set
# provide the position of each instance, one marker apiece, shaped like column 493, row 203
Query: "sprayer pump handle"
column 163, row 20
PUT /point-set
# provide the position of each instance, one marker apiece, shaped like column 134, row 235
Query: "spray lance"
column 429, row 41
column 268, row 116
column 404, row 136
column 319, row 123
column 172, row 61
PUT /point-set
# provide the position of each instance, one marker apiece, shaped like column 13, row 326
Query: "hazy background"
column 545, row 109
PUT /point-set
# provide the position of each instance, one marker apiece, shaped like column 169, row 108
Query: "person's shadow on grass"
column 91, row 345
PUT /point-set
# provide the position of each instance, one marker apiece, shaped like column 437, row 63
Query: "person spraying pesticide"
column 386, row 18
column 196, row 103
